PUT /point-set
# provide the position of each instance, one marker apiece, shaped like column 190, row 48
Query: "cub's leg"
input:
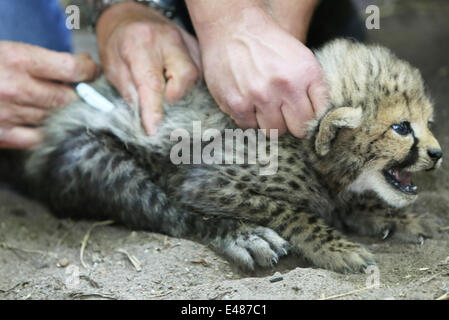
column 92, row 174
column 369, row 216
column 325, row 247
column 235, row 192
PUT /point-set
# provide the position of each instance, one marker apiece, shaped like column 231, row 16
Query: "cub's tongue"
column 402, row 177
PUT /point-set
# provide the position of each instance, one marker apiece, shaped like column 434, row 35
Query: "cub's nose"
column 435, row 154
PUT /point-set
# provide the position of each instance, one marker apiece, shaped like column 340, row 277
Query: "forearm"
column 293, row 16
column 210, row 18
column 120, row 13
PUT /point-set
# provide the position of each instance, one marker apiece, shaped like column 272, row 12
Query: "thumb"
column 319, row 96
column 19, row 137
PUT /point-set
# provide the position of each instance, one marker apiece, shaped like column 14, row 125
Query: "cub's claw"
column 249, row 247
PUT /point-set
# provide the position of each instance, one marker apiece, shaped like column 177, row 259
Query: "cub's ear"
column 344, row 117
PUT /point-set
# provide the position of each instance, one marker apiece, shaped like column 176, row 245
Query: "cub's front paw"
column 342, row 256
column 250, row 246
column 412, row 228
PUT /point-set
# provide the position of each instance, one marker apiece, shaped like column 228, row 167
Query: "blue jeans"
column 38, row 22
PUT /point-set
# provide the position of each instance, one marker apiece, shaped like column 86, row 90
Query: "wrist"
column 245, row 16
column 120, row 14
column 295, row 19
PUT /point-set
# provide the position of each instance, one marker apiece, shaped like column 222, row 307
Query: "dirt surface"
column 40, row 255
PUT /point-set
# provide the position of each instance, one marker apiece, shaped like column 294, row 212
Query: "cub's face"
column 395, row 140
column 376, row 133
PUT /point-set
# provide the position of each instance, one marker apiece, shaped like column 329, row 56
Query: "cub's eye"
column 402, row 128
column 430, row 124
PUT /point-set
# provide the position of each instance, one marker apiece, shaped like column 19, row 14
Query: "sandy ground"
column 40, row 255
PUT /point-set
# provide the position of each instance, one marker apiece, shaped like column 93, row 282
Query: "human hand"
column 261, row 75
column 147, row 57
column 29, row 88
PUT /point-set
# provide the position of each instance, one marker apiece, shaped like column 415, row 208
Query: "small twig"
column 92, row 283
column 21, row 283
column 444, row 228
column 81, row 295
column 220, row 295
column 7, row 246
column 201, row 261
column 348, row 293
column 433, row 277
column 86, row 238
column 134, row 261
column 163, row 294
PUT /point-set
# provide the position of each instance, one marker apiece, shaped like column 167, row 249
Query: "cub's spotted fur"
column 351, row 172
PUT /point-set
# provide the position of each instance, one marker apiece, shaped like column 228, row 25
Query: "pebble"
column 62, row 263
column 276, row 277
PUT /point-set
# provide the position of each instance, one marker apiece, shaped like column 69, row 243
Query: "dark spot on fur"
column 310, row 238
column 278, row 179
column 275, row 189
column 225, row 200
column 277, row 211
column 406, row 98
column 312, row 220
column 240, row 186
column 293, row 184
column 281, row 227
column 222, row 182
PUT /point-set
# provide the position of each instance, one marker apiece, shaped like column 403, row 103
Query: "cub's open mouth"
column 401, row 180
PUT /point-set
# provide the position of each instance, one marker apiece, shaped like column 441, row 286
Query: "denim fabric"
column 38, row 22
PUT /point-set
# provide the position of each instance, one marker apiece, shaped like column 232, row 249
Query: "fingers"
column 25, row 90
column 119, row 75
column 181, row 71
column 194, row 50
column 245, row 120
column 19, row 137
column 271, row 118
column 296, row 116
column 318, row 95
column 147, row 73
column 51, row 65
column 18, row 115
column 243, row 114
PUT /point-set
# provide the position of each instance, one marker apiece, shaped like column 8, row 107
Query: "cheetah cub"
column 352, row 172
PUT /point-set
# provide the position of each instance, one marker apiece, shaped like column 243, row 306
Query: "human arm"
column 32, row 82
column 147, row 58
column 257, row 71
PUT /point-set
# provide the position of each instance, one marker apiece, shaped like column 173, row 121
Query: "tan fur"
column 92, row 164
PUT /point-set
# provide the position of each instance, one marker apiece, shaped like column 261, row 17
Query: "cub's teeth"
column 411, row 188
